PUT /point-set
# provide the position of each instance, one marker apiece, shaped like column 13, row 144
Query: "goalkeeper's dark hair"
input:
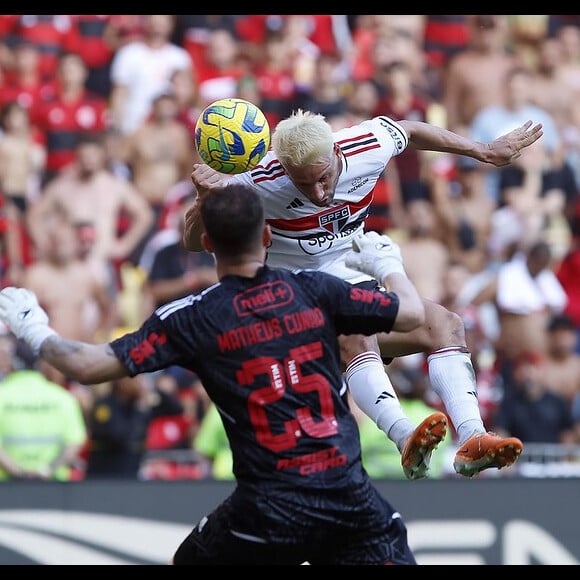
column 233, row 218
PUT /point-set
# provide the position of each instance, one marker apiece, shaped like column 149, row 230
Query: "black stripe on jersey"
column 359, row 144
column 396, row 128
column 266, row 171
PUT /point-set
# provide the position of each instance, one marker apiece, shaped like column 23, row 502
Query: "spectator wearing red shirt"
column 274, row 75
column 401, row 102
column 219, row 73
column 52, row 34
column 22, row 80
column 70, row 112
column 95, row 50
column 568, row 273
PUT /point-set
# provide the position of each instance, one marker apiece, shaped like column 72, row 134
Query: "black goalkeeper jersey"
column 266, row 349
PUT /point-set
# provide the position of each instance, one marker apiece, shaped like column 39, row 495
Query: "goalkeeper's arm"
column 83, row 362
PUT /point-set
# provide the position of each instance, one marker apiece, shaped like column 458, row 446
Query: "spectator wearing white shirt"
column 141, row 70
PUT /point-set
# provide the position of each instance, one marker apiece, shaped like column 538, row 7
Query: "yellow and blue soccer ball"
column 232, row 135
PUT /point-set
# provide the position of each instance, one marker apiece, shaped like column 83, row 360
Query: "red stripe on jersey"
column 361, row 150
column 357, row 138
column 311, row 222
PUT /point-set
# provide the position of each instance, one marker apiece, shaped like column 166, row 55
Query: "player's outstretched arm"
column 499, row 152
column 86, row 363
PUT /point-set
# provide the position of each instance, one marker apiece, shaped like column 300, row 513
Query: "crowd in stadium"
column 97, row 114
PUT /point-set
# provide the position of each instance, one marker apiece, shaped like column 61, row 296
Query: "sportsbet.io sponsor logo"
column 318, row 243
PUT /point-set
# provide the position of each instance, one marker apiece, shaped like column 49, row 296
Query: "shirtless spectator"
column 464, row 211
column 67, row 288
column 159, row 152
column 476, row 76
column 141, row 70
column 426, row 257
column 548, row 89
column 562, row 361
column 22, row 161
column 89, row 192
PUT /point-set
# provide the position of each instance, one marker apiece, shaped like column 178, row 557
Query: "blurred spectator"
column 23, row 82
column 425, row 257
column 464, row 211
column 568, row 273
column 42, row 429
column 176, row 272
column 184, row 88
column 326, row 95
column 529, row 410
column 272, row 69
column 119, row 423
column 380, row 456
column 445, row 35
column 212, row 442
column 192, row 31
column 22, row 160
column 52, row 34
column 11, row 258
column 400, row 39
column 70, row 112
column 141, row 70
column 88, row 192
column 476, row 76
column 531, row 206
column 548, row 91
column 94, row 48
column 526, row 34
column 514, row 109
column 219, row 72
column 527, row 294
column 401, row 101
column 59, row 269
column 159, row 153
column 562, row 360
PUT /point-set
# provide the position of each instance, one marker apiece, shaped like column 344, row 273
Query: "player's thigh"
column 352, row 345
column 442, row 328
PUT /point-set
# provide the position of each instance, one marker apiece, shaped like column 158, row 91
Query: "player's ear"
column 205, row 243
column 267, row 236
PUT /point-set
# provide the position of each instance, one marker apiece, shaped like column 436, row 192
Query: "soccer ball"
column 232, row 135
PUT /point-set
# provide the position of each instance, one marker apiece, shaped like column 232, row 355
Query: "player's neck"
column 246, row 269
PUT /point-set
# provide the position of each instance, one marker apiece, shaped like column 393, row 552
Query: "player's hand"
column 204, row 179
column 21, row 313
column 508, row 147
column 376, row 255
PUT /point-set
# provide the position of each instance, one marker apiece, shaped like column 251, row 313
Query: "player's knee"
column 445, row 328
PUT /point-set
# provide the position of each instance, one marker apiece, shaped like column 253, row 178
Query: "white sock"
column 372, row 391
column 453, row 378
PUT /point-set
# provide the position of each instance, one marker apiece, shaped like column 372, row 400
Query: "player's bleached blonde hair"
column 302, row 139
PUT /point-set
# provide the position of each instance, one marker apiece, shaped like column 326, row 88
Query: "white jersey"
column 308, row 236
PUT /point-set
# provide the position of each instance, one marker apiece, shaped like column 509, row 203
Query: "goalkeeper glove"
column 21, row 313
column 376, row 255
